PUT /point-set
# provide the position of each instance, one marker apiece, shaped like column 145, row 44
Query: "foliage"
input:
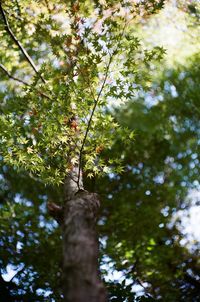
column 137, row 209
column 28, row 238
column 87, row 58
column 57, row 119
column 161, row 168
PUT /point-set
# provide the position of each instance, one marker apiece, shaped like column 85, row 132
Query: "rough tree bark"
column 81, row 278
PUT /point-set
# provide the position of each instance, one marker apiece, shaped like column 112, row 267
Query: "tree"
column 139, row 242
column 53, row 119
column 146, row 243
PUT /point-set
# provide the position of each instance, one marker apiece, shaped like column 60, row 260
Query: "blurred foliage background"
column 145, row 255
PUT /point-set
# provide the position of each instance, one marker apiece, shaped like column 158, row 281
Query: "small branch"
column 23, row 50
column 145, row 290
column 47, row 5
column 96, row 103
column 11, row 76
column 13, row 15
column 21, row 81
column 56, row 211
column 91, row 116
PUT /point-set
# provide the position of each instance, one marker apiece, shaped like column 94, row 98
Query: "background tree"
column 142, row 241
column 53, row 118
column 146, row 245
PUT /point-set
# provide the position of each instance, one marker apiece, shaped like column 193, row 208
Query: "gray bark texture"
column 81, row 278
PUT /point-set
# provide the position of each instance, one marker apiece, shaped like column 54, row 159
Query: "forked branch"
column 2, row 67
column 18, row 43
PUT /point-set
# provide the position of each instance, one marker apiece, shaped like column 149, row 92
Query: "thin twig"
column 13, row 15
column 23, row 50
column 88, row 82
column 91, row 116
column 11, row 76
column 21, row 81
column 47, row 5
column 95, row 105
column 145, row 290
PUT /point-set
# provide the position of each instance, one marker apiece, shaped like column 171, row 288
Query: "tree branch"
column 56, row 211
column 96, row 103
column 23, row 50
column 21, row 81
column 11, row 76
column 91, row 116
column 13, row 15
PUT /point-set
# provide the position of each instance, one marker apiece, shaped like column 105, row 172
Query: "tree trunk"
column 81, row 279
